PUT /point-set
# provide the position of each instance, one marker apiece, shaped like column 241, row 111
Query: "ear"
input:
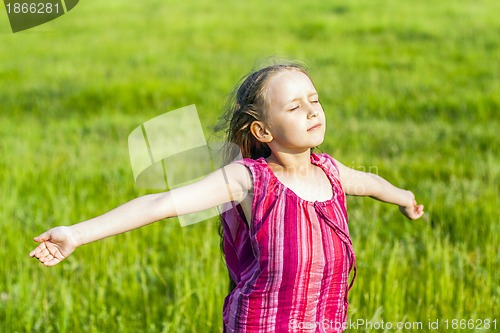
column 260, row 132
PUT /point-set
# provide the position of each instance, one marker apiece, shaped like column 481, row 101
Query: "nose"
column 312, row 112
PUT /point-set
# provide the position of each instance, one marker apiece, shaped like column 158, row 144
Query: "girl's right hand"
column 55, row 245
column 412, row 211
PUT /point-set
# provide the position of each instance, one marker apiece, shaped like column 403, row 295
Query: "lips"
column 314, row 127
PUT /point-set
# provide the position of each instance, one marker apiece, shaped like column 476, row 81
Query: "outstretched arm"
column 368, row 184
column 230, row 183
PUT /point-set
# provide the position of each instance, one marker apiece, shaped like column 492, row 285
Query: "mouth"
column 314, row 127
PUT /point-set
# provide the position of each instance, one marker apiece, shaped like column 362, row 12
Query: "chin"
column 318, row 142
column 316, row 145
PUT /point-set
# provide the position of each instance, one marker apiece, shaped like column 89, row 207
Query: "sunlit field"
column 411, row 91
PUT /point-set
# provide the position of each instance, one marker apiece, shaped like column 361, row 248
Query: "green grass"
column 410, row 90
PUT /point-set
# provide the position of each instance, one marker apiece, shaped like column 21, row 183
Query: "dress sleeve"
column 329, row 163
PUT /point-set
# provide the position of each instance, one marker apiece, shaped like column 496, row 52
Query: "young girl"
column 285, row 236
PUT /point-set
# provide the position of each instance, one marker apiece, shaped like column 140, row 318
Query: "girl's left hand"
column 413, row 211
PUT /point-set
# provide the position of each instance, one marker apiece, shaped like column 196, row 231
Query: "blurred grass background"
column 411, row 91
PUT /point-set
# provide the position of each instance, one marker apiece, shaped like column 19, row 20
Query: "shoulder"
column 327, row 161
column 256, row 167
column 246, row 170
column 258, row 170
column 236, row 171
column 238, row 180
column 250, row 162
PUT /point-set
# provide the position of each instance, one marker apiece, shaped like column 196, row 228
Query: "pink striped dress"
column 291, row 262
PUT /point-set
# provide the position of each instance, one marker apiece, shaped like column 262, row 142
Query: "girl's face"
column 295, row 118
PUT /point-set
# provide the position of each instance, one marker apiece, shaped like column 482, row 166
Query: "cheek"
column 322, row 115
column 272, row 124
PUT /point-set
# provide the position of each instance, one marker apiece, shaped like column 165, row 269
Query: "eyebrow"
column 293, row 100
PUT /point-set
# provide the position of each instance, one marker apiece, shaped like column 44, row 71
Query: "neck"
column 289, row 161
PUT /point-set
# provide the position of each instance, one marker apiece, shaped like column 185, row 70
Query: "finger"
column 44, row 253
column 415, row 214
column 419, row 214
column 43, row 237
column 52, row 262
column 46, row 258
column 32, row 253
column 37, row 250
